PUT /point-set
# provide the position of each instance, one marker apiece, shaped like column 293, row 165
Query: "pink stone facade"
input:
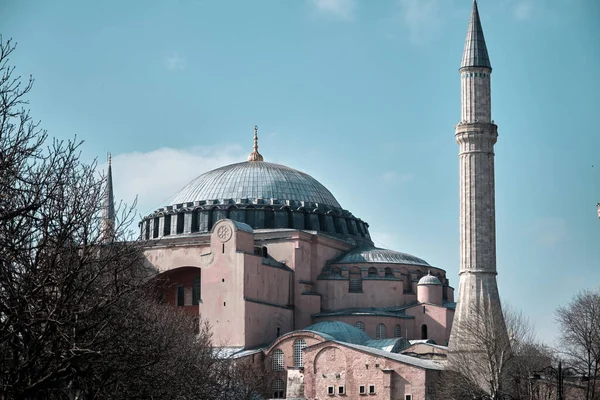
column 256, row 286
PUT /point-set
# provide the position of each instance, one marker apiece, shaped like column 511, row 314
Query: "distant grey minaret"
column 476, row 135
column 107, row 225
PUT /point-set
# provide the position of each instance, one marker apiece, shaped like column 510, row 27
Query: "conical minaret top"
column 475, row 53
column 108, row 207
column 255, row 155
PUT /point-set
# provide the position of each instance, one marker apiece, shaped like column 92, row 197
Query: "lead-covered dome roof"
column 429, row 280
column 256, row 180
column 339, row 331
column 373, row 255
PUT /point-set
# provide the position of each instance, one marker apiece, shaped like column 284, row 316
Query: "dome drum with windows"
column 260, row 194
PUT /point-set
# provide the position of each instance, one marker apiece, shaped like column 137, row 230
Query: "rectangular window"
column 180, row 296
column 330, row 390
column 362, row 389
column 371, row 389
column 341, row 390
column 408, row 397
column 196, row 291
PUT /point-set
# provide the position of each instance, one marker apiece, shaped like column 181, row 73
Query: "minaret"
column 107, row 225
column 476, row 135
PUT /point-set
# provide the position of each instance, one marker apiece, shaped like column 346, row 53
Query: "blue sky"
column 362, row 95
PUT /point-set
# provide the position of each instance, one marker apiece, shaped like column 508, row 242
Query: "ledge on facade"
column 380, row 312
column 311, row 294
column 268, row 303
column 306, row 282
column 271, row 262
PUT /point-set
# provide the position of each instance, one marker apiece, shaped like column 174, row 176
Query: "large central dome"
column 256, row 180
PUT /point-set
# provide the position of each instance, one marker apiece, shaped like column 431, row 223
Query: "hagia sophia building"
column 290, row 279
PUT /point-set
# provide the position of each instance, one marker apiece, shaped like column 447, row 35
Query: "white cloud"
column 342, row 9
column 174, row 62
column 392, row 177
column 523, row 9
column 421, row 18
column 155, row 176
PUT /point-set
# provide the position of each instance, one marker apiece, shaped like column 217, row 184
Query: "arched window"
column 196, row 291
column 360, row 325
column 389, row 273
column 336, row 271
column 397, row 331
column 299, row 345
column 278, row 389
column 269, row 218
column 380, row 332
column 423, row 331
column 355, row 280
column 372, row 272
column 277, row 361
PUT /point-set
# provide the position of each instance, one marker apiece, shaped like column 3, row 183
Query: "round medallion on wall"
column 224, row 233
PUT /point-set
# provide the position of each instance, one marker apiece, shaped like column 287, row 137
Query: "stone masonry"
column 476, row 135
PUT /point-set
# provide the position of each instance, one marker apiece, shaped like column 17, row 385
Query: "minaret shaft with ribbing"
column 107, row 225
column 476, row 135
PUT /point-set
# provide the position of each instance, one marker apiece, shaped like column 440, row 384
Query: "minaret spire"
column 255, row 155
column 108, row 207
column 475, row 53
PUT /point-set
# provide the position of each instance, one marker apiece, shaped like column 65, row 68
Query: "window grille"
column 360, row 325
column 355, row 280
column 196, row 291
column 397, row 331
column 362, row 389
column 278, row 389
column 277, row 360
column 299, row 345
column 380, row 332
column 371, row 389
column 336, row 271
column 389, row 273
column 372, row 272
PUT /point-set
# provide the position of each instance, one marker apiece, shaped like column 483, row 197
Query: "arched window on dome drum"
column 217, row 215
column 278, row 389
column 372, row 272
column 299, row 345
column 424, row 331
column 389, row 273
column 355, row 280
column 380, row 332
column 336, row 272
column 269, row 218
column 251, row 216
column 360, row 325
column 397, row 331
column 277, row 361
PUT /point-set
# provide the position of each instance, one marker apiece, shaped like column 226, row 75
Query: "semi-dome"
column 256, row 180
column 339, row 331
column 429, row 280
column 375, row 255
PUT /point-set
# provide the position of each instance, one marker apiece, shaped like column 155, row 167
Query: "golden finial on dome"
column 255, row 155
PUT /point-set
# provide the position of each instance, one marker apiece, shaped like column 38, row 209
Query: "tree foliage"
column 77, row 318
column 494, row 358
column 579, row 330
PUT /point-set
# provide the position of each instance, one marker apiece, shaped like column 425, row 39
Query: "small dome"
column 429, row 280
column 376, row 255
column 256, row 180
column 339, row 331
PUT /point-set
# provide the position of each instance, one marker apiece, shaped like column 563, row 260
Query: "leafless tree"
column 579, row 323
column 484, row 361
column 77, row 318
